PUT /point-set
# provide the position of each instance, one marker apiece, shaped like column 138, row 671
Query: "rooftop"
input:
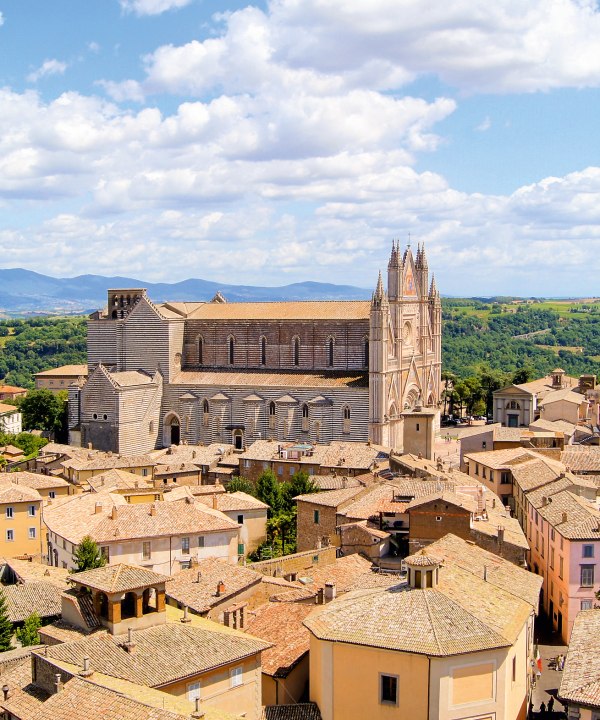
column 41, row 597
column 215, row 377
column 572, row 516
column 264, row 311
column 26, row 571
column 64, row 370
column 581, row 458
column 300, row 711
column 118, row 578
column 580, row 682
column 12, row 493
column 8, row 409
column 33, row 480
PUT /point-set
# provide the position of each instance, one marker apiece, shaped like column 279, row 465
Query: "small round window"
column 105, row 417
column 95, row 416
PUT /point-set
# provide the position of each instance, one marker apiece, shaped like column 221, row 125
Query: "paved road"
column 549, row 682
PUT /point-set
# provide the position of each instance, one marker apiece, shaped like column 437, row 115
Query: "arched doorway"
column 103, row 603
column 171, row 430
column 128, row 606
column 238, row 439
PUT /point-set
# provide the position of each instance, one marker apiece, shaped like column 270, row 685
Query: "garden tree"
column 489, row 381
column 281, row 532
column 268, row 491
column 449, row 379
column 44, row 410
column 240, row 484
column 88, row 556
column 28, row 634
column 300, row 484
column 29, row 444
column 6, row 628
column 523, row 375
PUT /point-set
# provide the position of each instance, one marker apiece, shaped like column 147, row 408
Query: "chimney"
column 58, row 686
column 199, row 577
column 330, row 591
column 493, row 502
column 90, row 446
column 320, row 595
column 86, row 672
column 220, row 588
column 97, row 508
column 485, row 572
column 242, row 616
column 136, row 485
column 215, row 502
column 565, row 517
column 5, row 690
column 227, row 618
column 129, row 646
column 197, row 714
column 153, row 509
column 500, row 534
column 185, row 618
column 193, row 453
column 113, row 513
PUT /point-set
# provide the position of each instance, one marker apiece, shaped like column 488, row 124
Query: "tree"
column 240, row 484
column 300, row 484
column 6, row 628
column 43, row 410
column 28, row 634
column 88, row 556
column 268, row 491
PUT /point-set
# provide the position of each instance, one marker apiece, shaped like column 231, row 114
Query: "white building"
column 10, row 419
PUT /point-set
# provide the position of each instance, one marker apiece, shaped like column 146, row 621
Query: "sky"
column 293, row 140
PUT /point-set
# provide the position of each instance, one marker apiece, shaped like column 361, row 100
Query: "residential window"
column 32, row 510
column 146, row 551
column 144, row 472
column 560, row 567
column 9, row 512
column 388, row 689
column 483, row 445
column 542, row 546
column 51, row 494
column 587, row 604
column 552, row 558
column 292, row 470
column 185, row 545
column 32, row 533
column 105, row 552
column 514, row 669
column 201, row 541
column 483, row 475
column 587, row 575
column 280, row 470
column 193, row 691
column 240, row 519
column 588, row 551
column 236, row 677
column 491, row 476
column 241, row 548
column 552, row 534
column 476, row 468
column 316, row 517
column 10, row 535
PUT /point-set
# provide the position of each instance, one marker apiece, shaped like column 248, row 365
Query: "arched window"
column 114, row 314
column 205, row 413
column 231, row 351
column 296, row 351
column 272, row 415
column 346, row 419
column 200, row 350
column 366, row 353
column 514, row 405
column 330, row 346
column 263, row 351
column 305, row 417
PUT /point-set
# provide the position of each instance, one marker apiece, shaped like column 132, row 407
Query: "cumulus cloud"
column 124, row 90
column 484, row 125
column 48, row 67
column 152, row 7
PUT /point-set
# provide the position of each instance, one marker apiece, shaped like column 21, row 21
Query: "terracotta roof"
column 8, row 409
column 118, row 480
column 341, row 482
column 12, row 389
column 11, row 450
column 564, row 395
column 40, row 597
column 499, row 459
column 293, row 310
column 106, row 461
column 33, row 480
column 462, row 614
column 12, row 493
column 61, row 631
column 553, row 425
column 195, row 454
column 534, row 474
column 175, row 468
column 131, row 378
column 300, row 711
column 580, row 683
column 163, row 654
column 212, row 377
column 197, row 588
column 64, row 370
column 26, row 571
column 118, row 578
column 281, row 625
column 230, row 502
column 500, row 572
column 77, row 516
column 330, row 498
column 422, row 559
column 572, row 516
column 581, row 459
column 452, row 498
column 343, row 571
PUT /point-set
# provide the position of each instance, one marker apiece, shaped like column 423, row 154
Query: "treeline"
column 32, row 345
column 478, row 338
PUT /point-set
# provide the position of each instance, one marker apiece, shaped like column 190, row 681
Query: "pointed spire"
column 393, row 257
column 424, row 264
column 418, row 257
column 379, row 288
column 433, row 288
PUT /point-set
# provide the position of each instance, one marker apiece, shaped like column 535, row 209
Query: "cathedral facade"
column 312, row 371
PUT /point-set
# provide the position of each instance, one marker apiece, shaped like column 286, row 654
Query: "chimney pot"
column 330, row 591
column 5, row 690
column 97, row 508
column 113, row 513
column 57, row 683
column 153, row 509
column 220, row 588
column 565, row 517
column 185, row 618
column 199, row 577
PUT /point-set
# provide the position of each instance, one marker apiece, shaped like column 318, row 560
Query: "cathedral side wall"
column 146, row 342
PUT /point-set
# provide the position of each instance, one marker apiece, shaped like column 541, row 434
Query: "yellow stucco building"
column 20, row 521
column 453, row 642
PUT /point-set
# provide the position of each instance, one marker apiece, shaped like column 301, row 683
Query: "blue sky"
column 292, row 140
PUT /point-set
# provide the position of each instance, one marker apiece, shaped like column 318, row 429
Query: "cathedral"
column 311, row 371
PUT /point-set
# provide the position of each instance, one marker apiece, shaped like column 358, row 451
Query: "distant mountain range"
column 26, row 292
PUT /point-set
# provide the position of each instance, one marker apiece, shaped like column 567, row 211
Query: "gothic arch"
column 411, row 396
column 330, row 349
column 263, row 350
column 171, row 429
column 296, row 350
column 231, row 350
column 200, row 349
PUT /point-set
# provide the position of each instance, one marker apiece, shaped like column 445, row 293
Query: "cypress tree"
column 6, row 628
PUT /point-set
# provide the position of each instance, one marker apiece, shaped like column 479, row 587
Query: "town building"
column 161, row 536
column 49, row 487
column 21, row 531
column 60, row 378
column 314, row 371
column 11, row 420
column 455, row 640
column 580, row 685
column 11, row 392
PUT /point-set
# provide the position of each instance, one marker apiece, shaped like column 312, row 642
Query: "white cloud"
column 48, row 67
column 484, row 125
column 93, row 47
column 1, row 19
column 152, row 7
column 123, row 91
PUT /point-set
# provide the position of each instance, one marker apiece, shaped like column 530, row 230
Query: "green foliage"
column 44, row 410
column 40, row 344
column 88, row 556
column 28, row 634
column 240, row 484
column 29, row 444
column 300, row 484
column 268, row 491
column 6, row 628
